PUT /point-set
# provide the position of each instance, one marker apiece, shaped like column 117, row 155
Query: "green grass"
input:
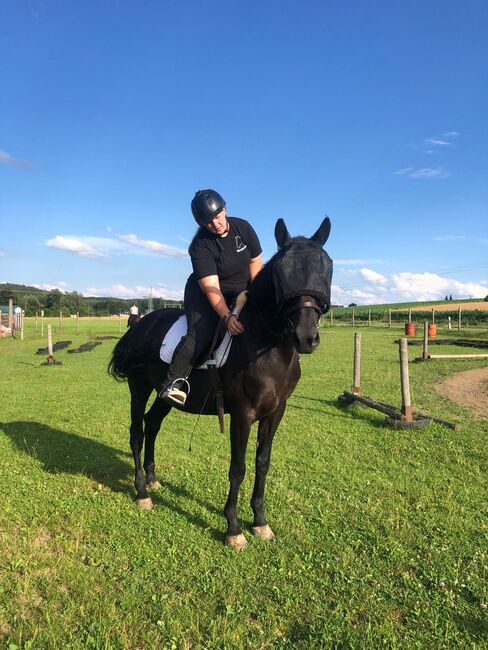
column 381, row 535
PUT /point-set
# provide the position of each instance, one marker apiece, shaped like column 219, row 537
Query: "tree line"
column 54, row 302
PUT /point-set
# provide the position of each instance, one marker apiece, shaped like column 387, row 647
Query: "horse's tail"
column 141, row 343
column 121, row 360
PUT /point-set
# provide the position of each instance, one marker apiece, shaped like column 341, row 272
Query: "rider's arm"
column 211, row 288
column 255, row 265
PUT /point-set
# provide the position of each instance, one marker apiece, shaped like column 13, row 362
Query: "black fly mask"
column 302, row 268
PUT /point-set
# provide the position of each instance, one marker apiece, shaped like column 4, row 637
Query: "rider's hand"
column 234, row 325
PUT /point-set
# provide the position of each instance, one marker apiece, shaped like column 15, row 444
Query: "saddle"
column 221, row 342
column 217, row 355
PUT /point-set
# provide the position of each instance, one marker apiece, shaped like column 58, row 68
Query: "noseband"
column 303, row 302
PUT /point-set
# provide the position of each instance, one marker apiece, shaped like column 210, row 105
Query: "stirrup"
column 173, row 393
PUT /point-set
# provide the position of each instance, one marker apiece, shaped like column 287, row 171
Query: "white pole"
column 356, row 388
column 49, row 342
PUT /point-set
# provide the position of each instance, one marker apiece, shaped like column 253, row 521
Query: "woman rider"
column 226, row 255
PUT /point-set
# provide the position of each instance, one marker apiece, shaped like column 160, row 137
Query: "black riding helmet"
column 205, row 205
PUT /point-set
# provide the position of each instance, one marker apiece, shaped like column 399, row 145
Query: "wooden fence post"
column 410, row 315
column 331, row 317
column 425, row 354
column 407, row 414
column 120, row 323
column 459, row 319
column 42, row 323
column 10, row 312
column 369, row 317
column 49, row 342
column 77, row 322
column 356, row 386
column 433, row 315
column 389, row 318
column 353, row 316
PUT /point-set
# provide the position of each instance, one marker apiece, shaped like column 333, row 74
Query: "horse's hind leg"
column 266, row 431
column 152, row 423
column 140, row 389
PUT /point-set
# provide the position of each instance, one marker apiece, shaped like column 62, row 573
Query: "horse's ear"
column 282, row 235
column 323, row 232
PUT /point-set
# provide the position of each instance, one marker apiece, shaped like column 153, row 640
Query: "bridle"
column 302, row 302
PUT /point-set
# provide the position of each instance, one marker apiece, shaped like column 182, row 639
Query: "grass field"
column 381, row 534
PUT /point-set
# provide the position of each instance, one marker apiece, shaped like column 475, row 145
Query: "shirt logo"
column 240, row 245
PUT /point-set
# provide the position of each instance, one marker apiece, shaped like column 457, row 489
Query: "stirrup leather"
column 174, row 393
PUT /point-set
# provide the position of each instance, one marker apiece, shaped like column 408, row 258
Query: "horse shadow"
column 63, row 452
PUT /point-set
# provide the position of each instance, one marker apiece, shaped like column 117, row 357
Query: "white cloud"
column 437, row 143
column 7, row 159
column 138, row 291
column 476, row 240
column 61, row 286
column 104, row 247
column 154, row 247
column 404, row 171
column 369, row 288
column 373, row 276
column 77, row 245
column 424, row 172
column 450, row 238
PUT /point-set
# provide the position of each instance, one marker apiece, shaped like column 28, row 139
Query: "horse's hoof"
column 154, row 485
column 263, row 532
column 236, row 542
column 145, row 504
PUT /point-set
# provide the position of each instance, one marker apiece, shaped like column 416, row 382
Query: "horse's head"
column 302, row 273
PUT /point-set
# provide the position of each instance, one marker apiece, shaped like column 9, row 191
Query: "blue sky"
column 113, row 113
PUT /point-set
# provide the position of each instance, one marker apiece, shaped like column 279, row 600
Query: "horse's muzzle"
column 307, row 344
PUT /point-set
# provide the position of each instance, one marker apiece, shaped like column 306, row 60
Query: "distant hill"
column 33, row 299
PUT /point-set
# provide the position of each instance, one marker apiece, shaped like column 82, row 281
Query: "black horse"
column 281, row 318
column 133, row 320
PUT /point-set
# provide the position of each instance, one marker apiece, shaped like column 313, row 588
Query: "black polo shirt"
column 227, row 257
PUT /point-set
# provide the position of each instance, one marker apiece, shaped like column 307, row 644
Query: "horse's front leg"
column 240, row 426
column 266, row 431
column 152, row 423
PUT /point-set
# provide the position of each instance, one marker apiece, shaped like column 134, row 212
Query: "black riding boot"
column 176, row 387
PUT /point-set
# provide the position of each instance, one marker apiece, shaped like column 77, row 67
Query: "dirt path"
column 469, row 388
